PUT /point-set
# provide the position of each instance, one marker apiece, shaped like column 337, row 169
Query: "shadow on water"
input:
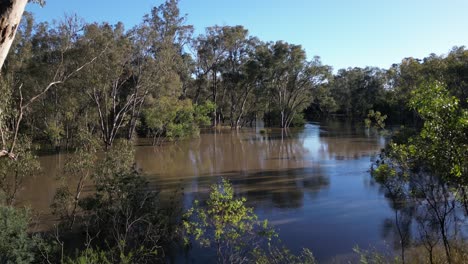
column 263, row 189
column 311, row 183
column 313, row 187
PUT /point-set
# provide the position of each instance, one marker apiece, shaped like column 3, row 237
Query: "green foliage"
column 78, row 168
column 442, row 144
column 90, row 256
column 374, row 257
column 427, row 172
column 54, row 133
column 376, row 119
column 291, row 82
column 298, row 120
column 283, row 255
column 177, row 119
column 203, row 112
column 228, row 217
column 183, row 124
column 225, row 223
column 16, row 245
column 357, row 90
column 124, row 214
column 383, row 173
column 13, row 172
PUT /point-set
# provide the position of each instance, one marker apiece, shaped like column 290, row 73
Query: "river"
column 313, row 184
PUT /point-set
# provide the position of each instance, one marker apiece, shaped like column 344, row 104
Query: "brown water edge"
column 294, row 178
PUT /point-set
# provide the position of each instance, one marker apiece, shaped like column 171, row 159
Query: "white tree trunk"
column 11, row 12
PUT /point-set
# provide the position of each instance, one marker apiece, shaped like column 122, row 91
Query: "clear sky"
column 344, row 33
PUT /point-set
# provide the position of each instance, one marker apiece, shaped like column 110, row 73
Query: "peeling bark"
column 11, row 12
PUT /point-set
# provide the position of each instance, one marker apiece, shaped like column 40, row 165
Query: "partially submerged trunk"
column 11, row 12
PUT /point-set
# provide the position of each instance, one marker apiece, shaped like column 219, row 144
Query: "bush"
column 226, row 225
column 16, row 245
column 124, row 214
column 298, row 120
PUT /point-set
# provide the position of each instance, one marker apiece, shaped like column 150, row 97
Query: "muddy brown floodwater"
column 313, row 183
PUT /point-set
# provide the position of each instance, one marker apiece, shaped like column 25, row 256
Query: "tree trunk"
column 402, row 239
column 214, row 99
column 11, row 12
column 283, row 125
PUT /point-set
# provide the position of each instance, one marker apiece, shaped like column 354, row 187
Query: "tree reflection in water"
column 427, row 213
column 310, row 182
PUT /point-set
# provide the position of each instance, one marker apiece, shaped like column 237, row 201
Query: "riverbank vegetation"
column 424, row 176
column 93, row 88
column 160, row 80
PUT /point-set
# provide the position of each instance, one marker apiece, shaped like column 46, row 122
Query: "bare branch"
column 22, row 107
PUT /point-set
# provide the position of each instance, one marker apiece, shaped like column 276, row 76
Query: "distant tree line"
column 159, row 80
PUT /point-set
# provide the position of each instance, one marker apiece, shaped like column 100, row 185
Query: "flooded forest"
column 154, row 144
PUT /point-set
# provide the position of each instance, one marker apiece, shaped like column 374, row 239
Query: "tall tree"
column 159, row 65
column 11, row 12
column 238, row 72
column 210, row 51
column 107, row 83
column 290, row 79
column 38, row 63
column 358, row 90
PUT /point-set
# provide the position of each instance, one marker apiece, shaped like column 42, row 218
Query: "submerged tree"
column 160, row 67
column 176, row 119
column 432, row 164
column 358, row 90
column 38, row 64
column 290, row 80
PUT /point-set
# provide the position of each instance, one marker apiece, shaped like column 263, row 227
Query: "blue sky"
column 344, row 33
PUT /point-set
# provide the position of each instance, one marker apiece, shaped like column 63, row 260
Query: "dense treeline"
column 355, row 91
column 160, row 80
column 112, row 82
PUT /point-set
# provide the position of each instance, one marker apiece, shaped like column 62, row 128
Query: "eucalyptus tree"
column 358, row 90
column 42, row 60
column 410, row 73
column 402, row 78
column 41, row 53
column 432, row 163
column 11, row 12
column 108, row 82
column 239, row 70
column 210, row 51
column 290, row 80
column 454, row 69
column 160, row 66
column 57, row 115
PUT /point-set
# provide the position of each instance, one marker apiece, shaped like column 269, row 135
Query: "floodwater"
column 313, row 184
